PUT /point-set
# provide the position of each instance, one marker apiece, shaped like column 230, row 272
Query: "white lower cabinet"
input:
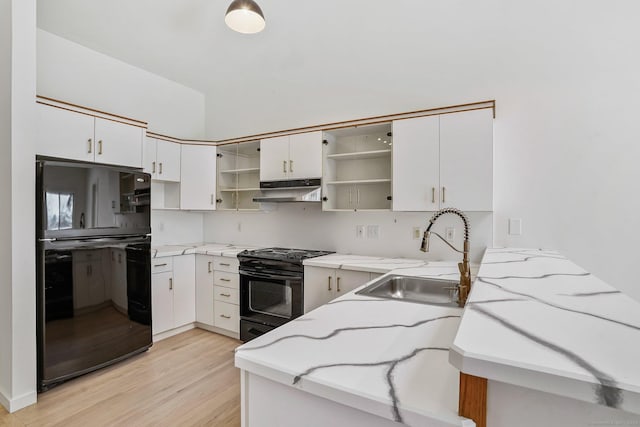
column 204, row 289
column 322, row 285
column 173, row 292
column 226, row 294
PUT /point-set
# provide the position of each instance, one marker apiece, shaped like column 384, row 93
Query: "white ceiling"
column 188, row 42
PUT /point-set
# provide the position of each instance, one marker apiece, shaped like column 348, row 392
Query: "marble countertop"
column 537, row 320
column 370, row 264
column 216, row 249
column 381, row 356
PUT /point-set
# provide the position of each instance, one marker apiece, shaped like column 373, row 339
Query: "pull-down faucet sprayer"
column 465, row 272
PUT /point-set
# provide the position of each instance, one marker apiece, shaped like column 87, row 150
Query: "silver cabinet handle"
column 90, row 142
column 225, row 317
column 433, row 194
column 358, row 196
column 153, row 167
column 284, row 166
column 338, row 284
column 290, row 165
column 224, row 280
column 100, row 147
column 160, row 168
column 212, row 199
column 350, row 197
column 160, row 265
column 225, row 295
column 443, row 195
column 329, row 283
column 170, row 283
column 225, row 264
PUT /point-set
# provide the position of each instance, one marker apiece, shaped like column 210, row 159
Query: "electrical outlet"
column 359, row 231
column 239, row 226
column 450, row 234
column 373, row 231
column 415, row 232
column 515, row 227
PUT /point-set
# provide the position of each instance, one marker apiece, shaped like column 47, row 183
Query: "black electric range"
column 271, row 288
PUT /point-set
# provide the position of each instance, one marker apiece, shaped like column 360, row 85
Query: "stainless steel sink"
column 414, row 289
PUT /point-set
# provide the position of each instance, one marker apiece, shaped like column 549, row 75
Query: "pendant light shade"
column 245, row 16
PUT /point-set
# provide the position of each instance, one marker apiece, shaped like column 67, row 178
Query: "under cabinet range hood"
column 299, row 190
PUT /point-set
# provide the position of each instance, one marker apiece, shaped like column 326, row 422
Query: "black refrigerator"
column 93, row 267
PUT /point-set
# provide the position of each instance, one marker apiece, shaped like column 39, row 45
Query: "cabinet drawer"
column 232, row 296
column 227, row 316
column 228, row 280
column 226, row 264
column 160, row 265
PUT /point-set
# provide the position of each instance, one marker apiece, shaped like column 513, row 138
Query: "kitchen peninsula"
column 375, row 362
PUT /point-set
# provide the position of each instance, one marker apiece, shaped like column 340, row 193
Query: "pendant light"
column 245, row 16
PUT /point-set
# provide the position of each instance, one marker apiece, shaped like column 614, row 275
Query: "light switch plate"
column 415, row 233
column 373, row 231
column 450, row 234
column 515, row 227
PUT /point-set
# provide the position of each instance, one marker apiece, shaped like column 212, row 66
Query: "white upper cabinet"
column 118, row 143
column 444, row 161
column 79, row 136
column 65, row 134
column 305, row 155
column 161, row 159
column 198, row 177
column 416, row 164
column 466, row 160
column 274, row 158
column 291, row 157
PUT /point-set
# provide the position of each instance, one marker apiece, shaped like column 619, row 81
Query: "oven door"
column 270, row 298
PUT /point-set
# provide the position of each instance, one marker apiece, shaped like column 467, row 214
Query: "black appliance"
column 93, row 267
column 271, row 288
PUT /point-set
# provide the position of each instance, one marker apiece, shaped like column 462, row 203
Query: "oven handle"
column 268, row 276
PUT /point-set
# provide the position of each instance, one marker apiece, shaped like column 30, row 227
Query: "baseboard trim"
column 13, row 405
column 219, row 331
column 166, row 334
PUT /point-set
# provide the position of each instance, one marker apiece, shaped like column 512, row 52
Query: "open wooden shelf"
column 242, row 171
column 360, row 155
column 359, row 181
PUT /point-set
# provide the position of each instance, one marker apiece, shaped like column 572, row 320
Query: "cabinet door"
column 65, row 134
column 319, row 287
column 149, row 147
column 118, row 143
column 204, row 289
column 347, row 280
column 466, row 160
column 168, row 158
column 162, row 301
column 274, row 158
column 198, row 177
column 416, row 164
column 184, row 290
column 305, row 155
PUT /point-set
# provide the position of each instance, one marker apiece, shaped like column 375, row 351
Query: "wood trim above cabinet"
column 63, row 105
column 481, row 105
column 491, row 104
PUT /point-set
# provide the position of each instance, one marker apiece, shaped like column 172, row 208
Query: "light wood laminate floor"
column 185, row 380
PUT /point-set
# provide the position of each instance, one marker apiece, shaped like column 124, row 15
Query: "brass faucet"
column 465, row 271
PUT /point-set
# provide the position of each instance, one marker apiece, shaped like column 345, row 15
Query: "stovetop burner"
column 284, row 254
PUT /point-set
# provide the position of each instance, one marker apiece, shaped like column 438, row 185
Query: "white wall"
column 5, row 194
column 170, row 227
column 306, row 226
column 564, row 75
column 17, row 234
column 73, row 73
